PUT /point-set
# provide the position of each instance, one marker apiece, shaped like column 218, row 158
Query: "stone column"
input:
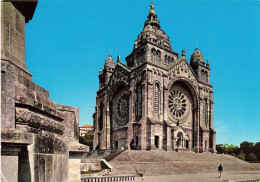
column 196, row 129
column 104, row 130
column 145, row 111
column 96, row 128
column 131, row 118
column 214, row 143
column 174, row 144
column 9, row 163
column 152, row 138
column 160, row 141
column 165, row 90
column 161, row 102
column 169, row 133
column 108, row 132
column 7, row 95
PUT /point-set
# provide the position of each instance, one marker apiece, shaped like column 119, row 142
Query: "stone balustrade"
column 109, row 178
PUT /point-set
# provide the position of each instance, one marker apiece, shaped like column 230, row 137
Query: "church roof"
column 110, row 62
column 197, row 55
column 152, row 30
column 87, row 126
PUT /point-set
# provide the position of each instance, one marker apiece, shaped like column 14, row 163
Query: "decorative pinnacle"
column 118, row 58
column 152, row 5
column 183, row 53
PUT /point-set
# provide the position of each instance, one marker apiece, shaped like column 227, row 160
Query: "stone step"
column 168, row 163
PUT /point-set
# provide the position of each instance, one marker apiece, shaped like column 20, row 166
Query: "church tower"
column 201, row 69
column 152, row 44
column 157, row 100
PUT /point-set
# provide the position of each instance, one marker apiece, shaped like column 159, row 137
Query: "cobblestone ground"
column 248, row 176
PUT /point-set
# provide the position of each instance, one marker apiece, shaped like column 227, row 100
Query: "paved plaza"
column 209, row 177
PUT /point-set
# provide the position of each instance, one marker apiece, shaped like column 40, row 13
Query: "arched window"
column 138, row 102
column 179, row 140
column 205, row 108
column 100, row 118
column 153, row 55
column 158, row 58
column 165, row 59
column 206, row 77
column 156, row 98
column 202, row 75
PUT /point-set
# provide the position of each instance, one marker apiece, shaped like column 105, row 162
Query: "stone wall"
column 37, row 134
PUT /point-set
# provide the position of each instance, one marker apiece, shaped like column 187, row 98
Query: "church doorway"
column 187, row 144
column 116, row 144
column 156, row 141
column 134, row 143
column 179, row 140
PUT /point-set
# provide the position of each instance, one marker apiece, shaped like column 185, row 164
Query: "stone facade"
column 157, row 100
column 39, row 137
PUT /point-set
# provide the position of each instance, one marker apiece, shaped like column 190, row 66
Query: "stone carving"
column 119, row 75
column 177, row 103
column 139, row 102
column 156, row 98
column 181, row 69
column 183, row 53
column 32, row 119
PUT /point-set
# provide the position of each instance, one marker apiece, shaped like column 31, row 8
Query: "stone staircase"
column 95, row 162
column 160, row 162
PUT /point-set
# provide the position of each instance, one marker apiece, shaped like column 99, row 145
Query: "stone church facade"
column 157, row 100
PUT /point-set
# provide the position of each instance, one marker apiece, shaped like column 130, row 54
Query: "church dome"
column 110, row 63
column 152, row 31
column 197, row 56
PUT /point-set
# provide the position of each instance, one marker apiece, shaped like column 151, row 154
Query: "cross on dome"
column 152, row 5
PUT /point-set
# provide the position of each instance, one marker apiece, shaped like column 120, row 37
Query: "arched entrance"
column 119, row 115
column 179, row 140
column 182, row 104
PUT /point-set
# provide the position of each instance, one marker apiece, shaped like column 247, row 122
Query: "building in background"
column 158, row 100
column 85, row 129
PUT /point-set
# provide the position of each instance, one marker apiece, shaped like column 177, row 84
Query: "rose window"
column 122, row 109
column 177, row 104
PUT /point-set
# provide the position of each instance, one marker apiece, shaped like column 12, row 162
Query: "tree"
column 246, row 147
column 251, row 157
column 257, row 150
column 228, row 149
column 87, row 139
column 241, row 156
column 220, row 149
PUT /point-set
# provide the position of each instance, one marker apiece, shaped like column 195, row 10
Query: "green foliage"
column 87, row 139
column 257, row 150
column 220, row 149
column 251, row 157
column 247, row 151
column 227, row 149
column 241, row 156
column 246, row 147
column 233, row 154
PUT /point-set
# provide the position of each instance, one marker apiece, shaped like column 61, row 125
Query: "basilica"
column 157, row 100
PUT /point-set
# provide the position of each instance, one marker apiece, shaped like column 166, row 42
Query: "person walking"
column 220, row 170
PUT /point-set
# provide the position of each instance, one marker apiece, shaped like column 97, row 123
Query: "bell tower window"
column 156, row 98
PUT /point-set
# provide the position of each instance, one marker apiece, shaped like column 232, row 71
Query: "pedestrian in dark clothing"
column 220, row 170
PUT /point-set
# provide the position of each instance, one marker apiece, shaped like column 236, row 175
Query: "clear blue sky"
column 68, row 41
